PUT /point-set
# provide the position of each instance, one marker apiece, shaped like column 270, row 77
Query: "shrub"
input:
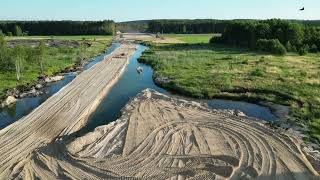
column 258, row 73
column 273, row 46
column 289, row 47
column 294, row 49
column 304, row 50
column 17, row 30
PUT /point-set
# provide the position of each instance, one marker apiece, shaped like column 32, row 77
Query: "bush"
column 17, row 30
column 289, row 47
column 304, row 50
column 294, row 49
column 258, row 73
column 273, row 46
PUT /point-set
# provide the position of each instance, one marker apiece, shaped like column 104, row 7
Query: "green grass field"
column 217, row 72
column 191, row 38
column 56, row 60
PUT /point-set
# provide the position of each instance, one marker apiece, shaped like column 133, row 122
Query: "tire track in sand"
column 159, row 137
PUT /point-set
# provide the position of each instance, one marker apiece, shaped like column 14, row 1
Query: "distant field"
column 56, row 59
column 191, row 38
column 216, row 72
column 80, row 37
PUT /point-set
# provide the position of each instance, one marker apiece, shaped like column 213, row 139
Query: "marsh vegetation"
column 206, row 71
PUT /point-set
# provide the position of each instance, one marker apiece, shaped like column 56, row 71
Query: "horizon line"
column 222, row 19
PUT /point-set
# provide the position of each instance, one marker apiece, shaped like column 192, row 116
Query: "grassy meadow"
column 205, row 71
column 56, row 59
column 191, row 38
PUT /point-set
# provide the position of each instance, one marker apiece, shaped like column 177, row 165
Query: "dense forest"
column 272, row 36
column 201, row 26
column 307, row 22
column 132, row 26
column 19, row 28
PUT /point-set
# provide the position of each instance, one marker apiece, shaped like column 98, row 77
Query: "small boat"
column 139, row 70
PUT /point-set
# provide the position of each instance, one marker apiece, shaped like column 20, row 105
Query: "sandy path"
column 158, row 137
column 64, row 113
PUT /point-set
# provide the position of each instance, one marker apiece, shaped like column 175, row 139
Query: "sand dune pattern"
column 159, row 137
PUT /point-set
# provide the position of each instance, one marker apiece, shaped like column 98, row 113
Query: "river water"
column 24, row 106
column 129, row 85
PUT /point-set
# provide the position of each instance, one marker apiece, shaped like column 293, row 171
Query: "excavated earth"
column 159, row 137
column 61, row 115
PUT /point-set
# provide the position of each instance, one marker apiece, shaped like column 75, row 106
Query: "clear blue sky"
column 125, row 10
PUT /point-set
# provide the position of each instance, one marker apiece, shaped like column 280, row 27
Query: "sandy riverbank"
column 159, row 137
column 64, row 113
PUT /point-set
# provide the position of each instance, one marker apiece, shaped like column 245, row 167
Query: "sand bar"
column 63, row 114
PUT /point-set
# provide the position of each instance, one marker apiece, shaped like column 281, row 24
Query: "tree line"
column 201, row 26
column 132, row 26
column 19, row 28
column 267, row 35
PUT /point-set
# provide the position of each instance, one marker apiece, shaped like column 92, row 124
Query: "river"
column 129, row 85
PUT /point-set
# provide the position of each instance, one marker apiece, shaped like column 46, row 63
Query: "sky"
column 128, row 10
